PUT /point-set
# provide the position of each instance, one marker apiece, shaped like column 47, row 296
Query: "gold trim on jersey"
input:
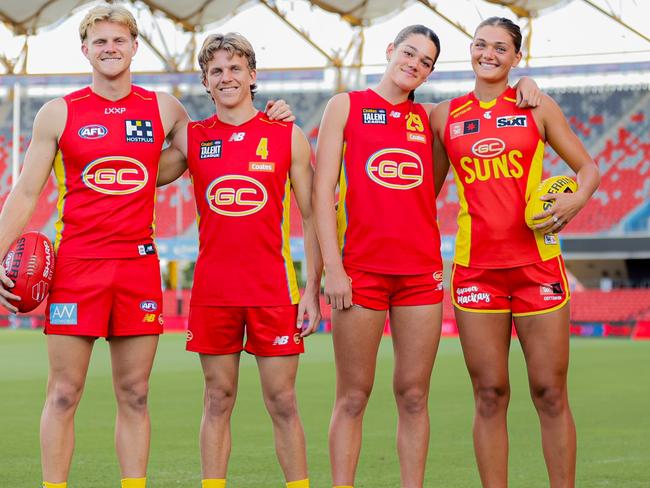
column 80, row 98
column 459, row 109
column 341, row 211
column 508, row 99
column 199, row 124
column 464, row 234
column 59, row 173
column 273, row 122
column 292, row 282
column 489, row 104
column 142, row 96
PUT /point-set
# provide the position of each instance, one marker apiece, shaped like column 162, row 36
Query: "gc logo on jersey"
column 115, row 175
column 512, row 121
column 210, row 149
column 488, row 148
column 395, row 168
column 139, row 131
column 93, row 131
column 236, row 195
column 374, row 116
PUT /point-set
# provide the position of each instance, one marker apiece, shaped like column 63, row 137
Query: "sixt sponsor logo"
column 373, row 116
column 148, row 306
column 512, row 121
column 94, row 131
column 395, row 168
column 115, row 175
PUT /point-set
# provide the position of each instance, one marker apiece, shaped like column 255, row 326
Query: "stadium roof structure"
column 26, row 18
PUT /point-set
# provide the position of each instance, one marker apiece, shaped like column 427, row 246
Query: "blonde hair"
column 110, row 13
column 233, row 43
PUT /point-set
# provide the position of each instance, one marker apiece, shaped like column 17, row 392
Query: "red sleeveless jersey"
column 242, row 188
column 496, row 153
column 387, row 208
column 106, row 170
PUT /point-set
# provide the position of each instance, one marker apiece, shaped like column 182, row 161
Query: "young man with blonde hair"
column 104, row 143
column 243, row 167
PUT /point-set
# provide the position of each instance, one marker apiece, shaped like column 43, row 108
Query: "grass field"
column 610, row 395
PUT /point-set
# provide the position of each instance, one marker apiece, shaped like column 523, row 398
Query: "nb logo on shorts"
column 63, row 313
column 281, row 340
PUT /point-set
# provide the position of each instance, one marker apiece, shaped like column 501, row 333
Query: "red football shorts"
column 524, row 290
column 270, row 331
column 105, row 297
column 381, row 291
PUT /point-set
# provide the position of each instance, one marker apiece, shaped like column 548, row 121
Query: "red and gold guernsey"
column 106, row 169
column 496, row 152
column 242, row 188
column 387, row 210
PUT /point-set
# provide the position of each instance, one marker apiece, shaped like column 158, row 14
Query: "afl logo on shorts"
column 94, row 131
column 488, row 148
column 395, row 168
column 115, row 175
column 236, row 195
column 148, row 306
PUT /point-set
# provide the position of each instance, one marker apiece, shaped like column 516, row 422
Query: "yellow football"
column 554, row 184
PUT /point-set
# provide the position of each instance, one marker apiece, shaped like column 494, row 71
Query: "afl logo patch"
column 115, row 175
column 236, row 195
column 93, row 131
column 395, row 168
column 148, row 306
column 488, row 148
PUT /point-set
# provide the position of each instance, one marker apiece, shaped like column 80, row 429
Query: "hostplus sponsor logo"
column 139, row 131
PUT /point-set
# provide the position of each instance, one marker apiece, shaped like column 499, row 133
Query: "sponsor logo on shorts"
column 93, row 131
column 281, row 340
column 39, row 291
column 551, row 289
column 63, row 313
column 161, row 320
column 115, row 175
column 438, row 275
column 472, row 294
column 139, row 131
column 188, row 335
column 266, row 167
column 373, row 116
column 395, row 168
column 146, row 249
column 458, row 129
column 210, row 149
column 236, row 195
column 149, row 317
column 488, row 148
column 512, row 121
column 297, row 338
column 148, row 306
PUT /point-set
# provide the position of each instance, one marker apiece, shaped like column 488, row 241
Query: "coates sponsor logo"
column 48, row 269
column 210, row 149
column 413, row 137
column 148, row 306
column 458, row 129
column 512, row 121
column 236, row 196
column 395, row 168
column 374, row 116
column 471, row 294
column 488, row 148
column 93, row 131
column 115, row 175
column 265, row 167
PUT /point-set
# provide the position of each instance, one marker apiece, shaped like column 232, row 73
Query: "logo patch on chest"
column 373, row 116
column 139, row 131
column 458, row 129
column 210, row 149
column 512, row 121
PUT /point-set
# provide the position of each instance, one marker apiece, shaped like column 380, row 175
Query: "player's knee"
column 282, row 405
column 412, row 400
column 491, row 400
column 64, row 397
column 218, row 401
column 353, row 403
column 549, row 400
column 133, row 394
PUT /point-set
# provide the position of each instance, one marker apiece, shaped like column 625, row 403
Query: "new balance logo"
column 281, row 340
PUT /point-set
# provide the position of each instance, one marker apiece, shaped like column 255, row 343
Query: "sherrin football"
column 553, row 185
column 30, row 265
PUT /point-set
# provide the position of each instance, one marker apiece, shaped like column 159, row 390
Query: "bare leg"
column 132, row 360
column 356, row 333
column 485, row 338
column 221, row 374
column 416, row 335
column 69, row 357
column 545, row 341
column 278, row 377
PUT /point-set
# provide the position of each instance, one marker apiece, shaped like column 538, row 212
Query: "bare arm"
column 528, row 93
column 440, row 159
column 338, row 290
column 569, row 147
column 302, row 178
column 20, row 203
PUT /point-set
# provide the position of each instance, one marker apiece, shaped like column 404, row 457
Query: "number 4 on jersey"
column 263, row 148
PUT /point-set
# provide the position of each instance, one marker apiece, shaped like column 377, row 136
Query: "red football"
column 30, row 265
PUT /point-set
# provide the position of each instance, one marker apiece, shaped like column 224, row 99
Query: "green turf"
column 609, row 394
